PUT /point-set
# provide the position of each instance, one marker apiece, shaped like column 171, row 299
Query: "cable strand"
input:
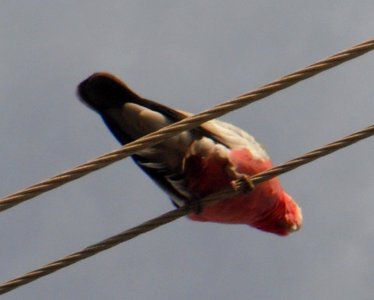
column 240, row 186
column 185, row 124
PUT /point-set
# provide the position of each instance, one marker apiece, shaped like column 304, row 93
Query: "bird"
column 194, row 163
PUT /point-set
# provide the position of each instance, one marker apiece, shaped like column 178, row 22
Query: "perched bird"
column 197, row 162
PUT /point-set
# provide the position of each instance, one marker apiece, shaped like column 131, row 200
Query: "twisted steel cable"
column 238, row 187
column 185, row 124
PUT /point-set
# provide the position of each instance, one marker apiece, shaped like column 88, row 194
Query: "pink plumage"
column 195, row 163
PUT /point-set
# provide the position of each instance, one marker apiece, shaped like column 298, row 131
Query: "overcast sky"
column 190, row 55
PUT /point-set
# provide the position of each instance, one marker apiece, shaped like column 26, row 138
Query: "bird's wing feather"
column 129, row 116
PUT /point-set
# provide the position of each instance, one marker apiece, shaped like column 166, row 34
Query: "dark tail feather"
column 102, row 91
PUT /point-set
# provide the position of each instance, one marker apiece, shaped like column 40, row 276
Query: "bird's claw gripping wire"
column 244, row 184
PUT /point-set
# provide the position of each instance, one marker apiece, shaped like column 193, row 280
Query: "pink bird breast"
column 197, row 162
column 267, row 207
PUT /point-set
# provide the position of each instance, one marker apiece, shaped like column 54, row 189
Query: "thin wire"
column 240, row 187
column 185, row 124
column 314, row 154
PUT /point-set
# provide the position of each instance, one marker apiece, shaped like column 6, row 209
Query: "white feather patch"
column 235, row 138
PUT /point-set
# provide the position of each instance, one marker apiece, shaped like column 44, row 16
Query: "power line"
column 185, row 124
column 240, row 186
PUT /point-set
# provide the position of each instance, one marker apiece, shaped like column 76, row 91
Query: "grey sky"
column 190, row 55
